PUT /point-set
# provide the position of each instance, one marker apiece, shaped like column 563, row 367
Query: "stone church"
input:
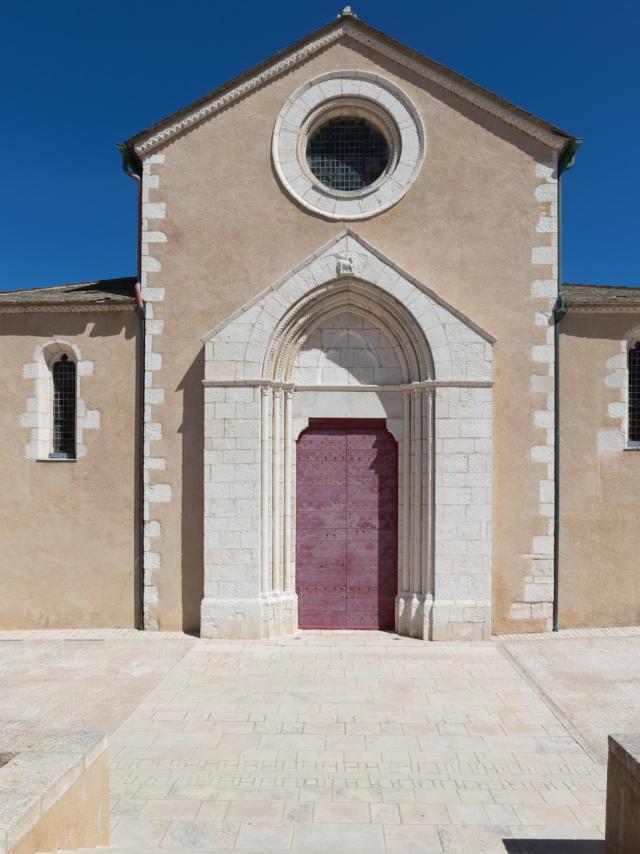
column 346, row 389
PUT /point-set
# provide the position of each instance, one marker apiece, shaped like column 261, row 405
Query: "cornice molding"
column 554, row 141
column 75, row 309
column 603, row 309
column 379, row 389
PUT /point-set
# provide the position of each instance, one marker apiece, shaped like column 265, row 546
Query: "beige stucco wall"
column 466, row 229
column 68, row 528
column 599, row 580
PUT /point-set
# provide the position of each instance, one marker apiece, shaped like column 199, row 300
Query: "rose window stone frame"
column 360, row 94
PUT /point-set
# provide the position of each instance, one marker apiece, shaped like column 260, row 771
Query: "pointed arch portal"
column 348, row 335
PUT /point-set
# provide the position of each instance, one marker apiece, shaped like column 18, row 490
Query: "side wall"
column 68, row 528
column 599, row 582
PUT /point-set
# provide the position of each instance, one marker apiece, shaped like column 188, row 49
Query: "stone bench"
column 623, row 795
column 54, row 794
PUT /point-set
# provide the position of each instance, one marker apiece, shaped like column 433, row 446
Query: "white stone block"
column 90, row 420
column 159, row 493
column 543, row 353
column 154, row 395
column 154, row 237
column 153, row 294
column 545, row 170
column 546, row 193
column 617, row 410
column 543, row 545
column 544, row 418
column 158, row 463
column 547, row 225
column 152, row 560
column 85, row 368
column 611, row 440
column 31, row 370
column 150, row 264
column 618, row 379
column 547, row 491
column 542, row 454
column 154, row 210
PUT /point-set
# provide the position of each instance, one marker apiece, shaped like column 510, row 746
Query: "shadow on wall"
column 59, row 325
column 192, row 534
column 554, row 846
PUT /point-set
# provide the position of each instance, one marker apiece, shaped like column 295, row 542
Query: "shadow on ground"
column 554, row 846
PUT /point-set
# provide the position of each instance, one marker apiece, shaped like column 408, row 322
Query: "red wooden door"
column 346, row 525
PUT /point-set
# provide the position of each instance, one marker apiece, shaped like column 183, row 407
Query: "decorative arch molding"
column 38, row 416
column 236, row 349
column 369, row 301
column 440, row 411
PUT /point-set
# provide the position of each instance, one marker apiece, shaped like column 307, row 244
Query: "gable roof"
column 347, row 26
column 105, row 293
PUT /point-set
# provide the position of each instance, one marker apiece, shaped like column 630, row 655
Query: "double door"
column 346, row 525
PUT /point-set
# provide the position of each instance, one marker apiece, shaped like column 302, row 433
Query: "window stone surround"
column 365, row 91
column 616, row 438
column 38, row 415
column 441, row 416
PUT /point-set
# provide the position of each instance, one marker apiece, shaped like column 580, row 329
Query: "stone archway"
column 337, row 322
column 347, row 334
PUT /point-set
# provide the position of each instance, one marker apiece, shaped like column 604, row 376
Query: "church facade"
column 347, row 388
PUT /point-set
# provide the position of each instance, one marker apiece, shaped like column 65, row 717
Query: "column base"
column 413, row 615
column 255, row 618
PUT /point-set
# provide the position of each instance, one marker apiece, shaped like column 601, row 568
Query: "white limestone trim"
column 347, row 254
column 616, row 438
column 368, row 94
column 538, row 593
column 421, row 67
column 38, row 416
column 444, row 428
column 154, row 492
column 356, row 388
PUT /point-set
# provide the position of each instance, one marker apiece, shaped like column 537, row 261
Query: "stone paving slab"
column 564, row 634
column 593, row 682
column 350, row 742
column 78, row 679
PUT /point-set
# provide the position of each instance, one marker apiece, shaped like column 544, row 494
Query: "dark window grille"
column 634, row 393
column 64, row 408
column 347, row 154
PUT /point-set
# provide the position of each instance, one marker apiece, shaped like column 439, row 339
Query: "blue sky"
column 78, row 77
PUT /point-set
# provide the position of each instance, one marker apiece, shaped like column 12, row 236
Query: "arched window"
column 634, row 394
column 64, row 409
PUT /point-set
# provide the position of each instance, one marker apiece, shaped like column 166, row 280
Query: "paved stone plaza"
column 339, row 742
column 348, row 743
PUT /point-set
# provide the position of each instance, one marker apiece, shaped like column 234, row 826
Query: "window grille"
column 347, row 154
column 634, row 393
column 64, row 409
